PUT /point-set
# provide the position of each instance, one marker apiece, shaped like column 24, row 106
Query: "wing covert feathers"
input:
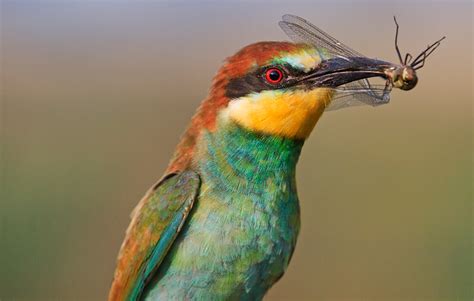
column 156, row 222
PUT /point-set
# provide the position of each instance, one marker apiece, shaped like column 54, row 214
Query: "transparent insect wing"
column 300, row 30
column 353, row 94
column 360, row 92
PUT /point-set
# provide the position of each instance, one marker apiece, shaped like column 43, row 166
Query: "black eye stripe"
column 255, row 82
column 245, row 85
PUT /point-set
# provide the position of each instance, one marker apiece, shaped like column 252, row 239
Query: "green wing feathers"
column 156, row 223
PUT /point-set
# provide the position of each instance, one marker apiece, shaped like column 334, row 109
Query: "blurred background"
column 95, row 95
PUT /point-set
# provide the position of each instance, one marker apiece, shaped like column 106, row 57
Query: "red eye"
column 273, row 75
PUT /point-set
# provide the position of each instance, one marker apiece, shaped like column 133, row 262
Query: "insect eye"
column 274, row 76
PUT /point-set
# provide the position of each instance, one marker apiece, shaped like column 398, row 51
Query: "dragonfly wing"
column 300, row 30
column 352, row 94
column 356, row 94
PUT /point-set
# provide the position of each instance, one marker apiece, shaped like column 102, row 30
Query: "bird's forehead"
column 304, row 59
column 254, row 56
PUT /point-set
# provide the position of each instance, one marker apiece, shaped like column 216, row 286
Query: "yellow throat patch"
column 290, row 114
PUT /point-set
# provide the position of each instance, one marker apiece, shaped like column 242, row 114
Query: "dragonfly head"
column 403, row 77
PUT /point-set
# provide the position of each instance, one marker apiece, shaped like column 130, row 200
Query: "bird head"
column 281, row 88
column 267, row 92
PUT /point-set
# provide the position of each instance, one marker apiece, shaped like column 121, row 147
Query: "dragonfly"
column 361, row 92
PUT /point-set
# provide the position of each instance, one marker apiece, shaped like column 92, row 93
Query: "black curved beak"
column 338, row 71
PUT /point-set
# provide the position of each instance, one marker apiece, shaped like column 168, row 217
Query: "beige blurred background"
column 95, row 95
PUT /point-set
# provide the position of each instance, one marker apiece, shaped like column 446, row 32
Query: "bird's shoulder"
column 156, row 222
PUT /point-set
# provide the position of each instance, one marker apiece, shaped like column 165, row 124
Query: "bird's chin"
column 288, row 114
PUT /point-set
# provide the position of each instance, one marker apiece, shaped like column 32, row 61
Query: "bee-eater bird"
column 222, row 222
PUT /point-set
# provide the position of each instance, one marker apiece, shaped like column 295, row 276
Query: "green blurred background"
column 95, row 95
